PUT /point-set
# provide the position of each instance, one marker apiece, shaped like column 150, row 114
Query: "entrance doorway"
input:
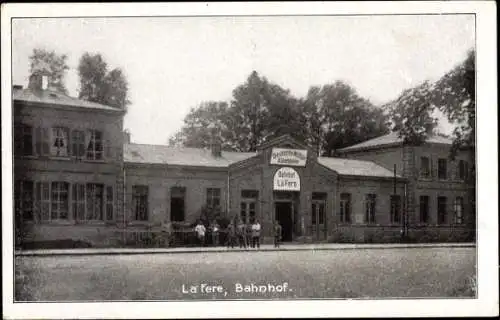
column 283, row 214
column 318, row 216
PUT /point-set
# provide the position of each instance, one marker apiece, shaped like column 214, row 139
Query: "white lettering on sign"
column 291, row 157
column 286, row 179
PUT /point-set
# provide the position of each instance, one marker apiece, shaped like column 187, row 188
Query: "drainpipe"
column 124, row 204
column 227, row 195
column 405, row 216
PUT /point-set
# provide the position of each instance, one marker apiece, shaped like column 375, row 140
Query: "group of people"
column 245, row 235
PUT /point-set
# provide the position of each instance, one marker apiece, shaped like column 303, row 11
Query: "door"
column 318, row 215
column 283, row 214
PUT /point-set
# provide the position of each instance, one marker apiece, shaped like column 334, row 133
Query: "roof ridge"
column 183, row 148
column 349, row 159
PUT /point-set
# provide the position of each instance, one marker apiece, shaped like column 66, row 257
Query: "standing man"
column 256, row 234
column 200, row 232
column 215, row 233
column 277, row 234
column 231, row 234
column 241, row 229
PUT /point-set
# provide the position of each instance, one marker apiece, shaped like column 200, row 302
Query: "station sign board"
column 289, row 157
column 286, row 179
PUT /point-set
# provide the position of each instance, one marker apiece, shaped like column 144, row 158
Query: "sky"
column 173, row 64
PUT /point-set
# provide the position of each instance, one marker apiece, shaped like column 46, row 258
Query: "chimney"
column 35, row 82
column 216, row 146
column 38, row 82
column 45, row 82
column 126, row 136
column 216, row 149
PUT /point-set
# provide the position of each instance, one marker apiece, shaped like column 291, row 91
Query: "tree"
column 204, row 124
column 115, row 89
column 100, row 86
column 455, row 95
column 258, row 110
column 336, row 117
column 53, row 65
column 411, row 114
column 92, row 71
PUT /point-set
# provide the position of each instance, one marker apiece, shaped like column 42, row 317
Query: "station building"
column 78, row 176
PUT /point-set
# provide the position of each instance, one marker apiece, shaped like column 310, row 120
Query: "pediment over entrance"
column 288, row 146
column 284, row 141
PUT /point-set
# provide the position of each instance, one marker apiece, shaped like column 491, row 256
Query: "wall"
column 47, row 168
column 160, row 179
column 451, row 188
column 386, row 157
column 358, row 230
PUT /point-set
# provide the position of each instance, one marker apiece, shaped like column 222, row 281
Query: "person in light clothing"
column 256, row 234
column 215, row 233
column 200, row 233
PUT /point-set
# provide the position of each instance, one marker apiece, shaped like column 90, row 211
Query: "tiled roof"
column 391, row 139
column 160, row 154
column 56, row 98
column 355, row 167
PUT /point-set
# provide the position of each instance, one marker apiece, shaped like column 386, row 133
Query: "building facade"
column 77, row 176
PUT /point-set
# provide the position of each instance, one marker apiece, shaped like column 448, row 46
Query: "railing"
column 176, row 238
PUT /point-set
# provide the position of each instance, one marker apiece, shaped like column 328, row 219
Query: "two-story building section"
column 78, row 177
column 68, row 163
column 440, row 191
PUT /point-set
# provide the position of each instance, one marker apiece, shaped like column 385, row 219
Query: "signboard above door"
column 289, row 157
column 286, row 179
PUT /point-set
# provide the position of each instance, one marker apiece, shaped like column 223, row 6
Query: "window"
column 23, row 138
column 213, row 198
column 425, row 167
column 109, row 203
column 318, row 207
column 42, row 141
column 94, row 145
column 59, row 201
column 459, row 210
column 24, row 200
column 370, row 208
column 59, row 142
column 43, row 200
column 177, row 195
column 88, row 202
column 441, row 210
column 395, row 208
column 79, row 201
column 95, row 202
column 462, row 169
column 345, row 207
column 78, row 143
column 442, row 169
column 424, row 209
column 248, row 205
column 140, row 202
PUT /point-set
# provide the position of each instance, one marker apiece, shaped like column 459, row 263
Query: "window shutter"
column 45, row 136
column 69, row 142
column 107, row 146
column 433, row 172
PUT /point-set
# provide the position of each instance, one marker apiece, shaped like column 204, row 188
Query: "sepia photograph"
column 244, row 156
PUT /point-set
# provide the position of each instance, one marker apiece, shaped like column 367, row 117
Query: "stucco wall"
column 161, row 179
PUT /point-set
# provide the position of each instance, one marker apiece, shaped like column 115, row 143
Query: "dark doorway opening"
column 283, row 214
column 177, row 204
